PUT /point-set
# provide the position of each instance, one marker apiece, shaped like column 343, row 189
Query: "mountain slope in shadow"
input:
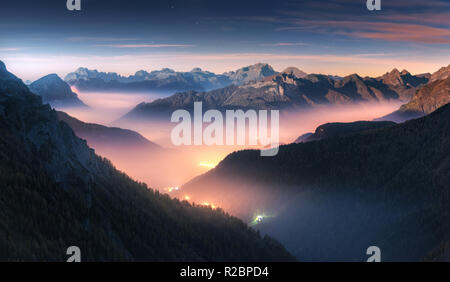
column 55, row 92
column 336, row 129
column 331, row 199
column 114, row 137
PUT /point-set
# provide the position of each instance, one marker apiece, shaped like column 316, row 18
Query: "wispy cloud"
column 10, row 49
column 415, row 21
column 388, row 31
column 395, row 31
column 281, row 44
column 146, row 45
column 99, row 39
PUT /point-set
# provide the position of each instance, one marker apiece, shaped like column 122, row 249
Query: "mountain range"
column 330, row 199
column 56, row 92
column 56, row 192
column 165, row 79
column 426, row 100
column 290, row 89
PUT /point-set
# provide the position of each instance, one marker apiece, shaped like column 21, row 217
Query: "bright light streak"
column 208, row 165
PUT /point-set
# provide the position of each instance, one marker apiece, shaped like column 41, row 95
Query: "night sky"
column 333, row 37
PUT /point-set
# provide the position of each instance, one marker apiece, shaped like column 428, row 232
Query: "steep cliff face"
column 427, row 99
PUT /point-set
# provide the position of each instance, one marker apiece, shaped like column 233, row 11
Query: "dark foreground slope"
column 387, row 187
column 55, row 193
column 337, row 129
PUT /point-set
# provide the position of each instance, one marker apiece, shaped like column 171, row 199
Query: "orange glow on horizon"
column 208, row 165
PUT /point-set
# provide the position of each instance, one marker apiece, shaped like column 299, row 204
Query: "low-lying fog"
column 107, row 107
column 179, row 164
column 313, row 226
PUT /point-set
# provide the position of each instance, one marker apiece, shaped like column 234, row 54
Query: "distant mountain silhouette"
column 96, row 134
column 56, row 193
column 165, row 79
column 55, row 92
column 332, row 198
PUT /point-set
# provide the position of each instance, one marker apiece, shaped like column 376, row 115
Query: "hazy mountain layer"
column 55, row 92
column 287, row 91
column 107, row 136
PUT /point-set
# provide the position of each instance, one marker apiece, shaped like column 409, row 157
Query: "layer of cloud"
column 382, row 30
column 10, row 49
column 99, row 39
column 283, row 44
column 413, row 21
column 145, row 45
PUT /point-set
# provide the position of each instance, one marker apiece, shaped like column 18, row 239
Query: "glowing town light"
column 258, row 218
column 171, row 189
column 187, row 198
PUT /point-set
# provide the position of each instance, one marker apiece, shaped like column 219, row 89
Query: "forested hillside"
column 388, row 187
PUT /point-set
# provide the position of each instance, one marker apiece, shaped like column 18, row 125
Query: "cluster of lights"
column 206, row 204
column 171, row 189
